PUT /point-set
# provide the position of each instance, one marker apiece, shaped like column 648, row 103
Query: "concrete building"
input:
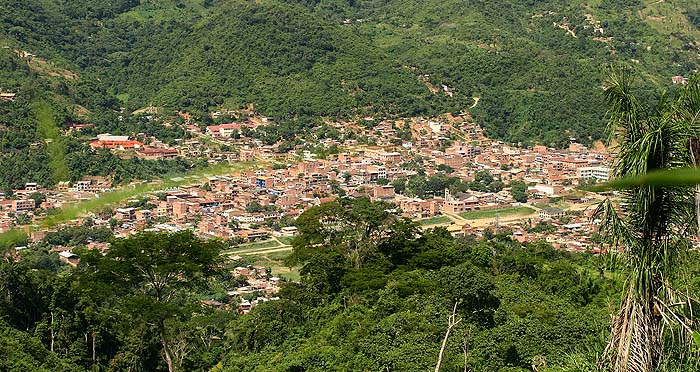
column 599, row 173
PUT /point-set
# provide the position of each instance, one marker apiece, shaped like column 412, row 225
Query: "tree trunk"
column 93, row 348
column 53, row 337
column 697, row 205
column 166, row 347
column 451, row 323
column 465, row 349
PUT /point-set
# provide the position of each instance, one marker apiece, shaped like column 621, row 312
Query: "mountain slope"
column 536, row 67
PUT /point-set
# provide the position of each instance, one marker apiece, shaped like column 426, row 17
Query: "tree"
column 254, row 207
column 518, row 190
column 445, row 168
column 149, row 275
column 654, row 230
column 351, row 227
column 399, row 185
column 38, row 197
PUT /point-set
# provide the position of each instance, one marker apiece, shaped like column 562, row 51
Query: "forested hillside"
column 33, row 141
column 382, row 304
column 375, row 294
column 535, row 67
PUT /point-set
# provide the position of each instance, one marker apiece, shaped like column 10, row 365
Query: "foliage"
column 656, row 226
column 518, row 302
column 78, row 235
column 518, row 190
column 390, row 312
column 297, row 60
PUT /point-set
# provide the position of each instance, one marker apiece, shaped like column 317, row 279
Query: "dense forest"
column 535, row 67
column 375, row 294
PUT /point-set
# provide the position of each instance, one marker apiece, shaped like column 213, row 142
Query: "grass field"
column 501, row 212
column 437, row 220
column 258, row 245
column 46, row 125
column 286, row 240
column 275, row 261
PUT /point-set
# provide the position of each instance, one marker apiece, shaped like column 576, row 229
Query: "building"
column 461, row 202
column 23, row 205
column 223, row 130
column 599, row 173
column 264, row 182
column 8, row 96
column 125, row 214
column 383, row 192
column 78, row 127
column 452, row 161
column 69, row 258
column 93, row 184
column 390, row 157
column 548, row 190
column 151, row 154
column 111, row 142
column 551, row 213
column 180, row 209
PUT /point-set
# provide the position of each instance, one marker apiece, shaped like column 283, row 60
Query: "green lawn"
column 275, row 261
column 286, row 240
column 437, row 220
column 502, row 212
column 265, row 244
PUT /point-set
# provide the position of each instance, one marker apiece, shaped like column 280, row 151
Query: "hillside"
column 535, row 67
column 34, row 143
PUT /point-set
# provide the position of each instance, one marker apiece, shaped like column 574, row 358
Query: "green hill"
column 536, row 67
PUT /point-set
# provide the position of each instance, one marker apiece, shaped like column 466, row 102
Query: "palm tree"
column 654, row 231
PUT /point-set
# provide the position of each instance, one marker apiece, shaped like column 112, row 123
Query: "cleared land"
column 501, row 212
column 438, row 220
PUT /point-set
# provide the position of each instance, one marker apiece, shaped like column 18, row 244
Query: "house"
column 63, row 186
column 286, row 231
column 383, row 192
column 548, row 190
column 125, row 214
column 111, row 142
column 8, row 96
column 93, row 184
column 151, row 154
column 252, row 235
column 223, row 130
column 69, row 258
column 679, row 80
column 390, row 157
column 551, row 213
column 78, row 127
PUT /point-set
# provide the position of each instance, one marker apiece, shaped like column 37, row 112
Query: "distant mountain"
column 536, row 67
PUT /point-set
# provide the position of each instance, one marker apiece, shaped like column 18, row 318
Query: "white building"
column 599, row 173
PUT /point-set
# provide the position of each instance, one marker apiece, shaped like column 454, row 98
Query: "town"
column 440, row 172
